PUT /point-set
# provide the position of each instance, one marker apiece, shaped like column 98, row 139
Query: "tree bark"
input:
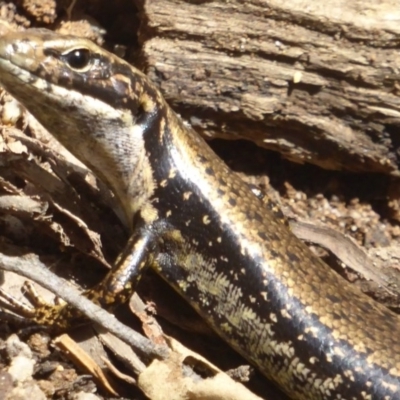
column 315, row 81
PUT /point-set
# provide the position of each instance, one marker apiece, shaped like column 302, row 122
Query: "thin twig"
column 30, row 267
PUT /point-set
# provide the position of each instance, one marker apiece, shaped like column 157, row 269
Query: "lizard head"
column 96, row 104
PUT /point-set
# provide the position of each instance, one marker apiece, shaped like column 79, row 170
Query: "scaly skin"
column 201, row 228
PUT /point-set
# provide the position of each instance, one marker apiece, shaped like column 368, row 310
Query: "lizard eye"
column 78, row 58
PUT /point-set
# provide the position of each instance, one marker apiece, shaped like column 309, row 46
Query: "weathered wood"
column 315, row 81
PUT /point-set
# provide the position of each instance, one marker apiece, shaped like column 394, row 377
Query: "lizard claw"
column 39, row 311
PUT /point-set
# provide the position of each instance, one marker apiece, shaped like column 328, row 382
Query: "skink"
column 201, row 228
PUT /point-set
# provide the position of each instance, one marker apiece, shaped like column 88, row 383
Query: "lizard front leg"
column 115, row 289
column 120, row 282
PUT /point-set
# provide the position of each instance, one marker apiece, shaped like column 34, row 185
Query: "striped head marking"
column 97, row 105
